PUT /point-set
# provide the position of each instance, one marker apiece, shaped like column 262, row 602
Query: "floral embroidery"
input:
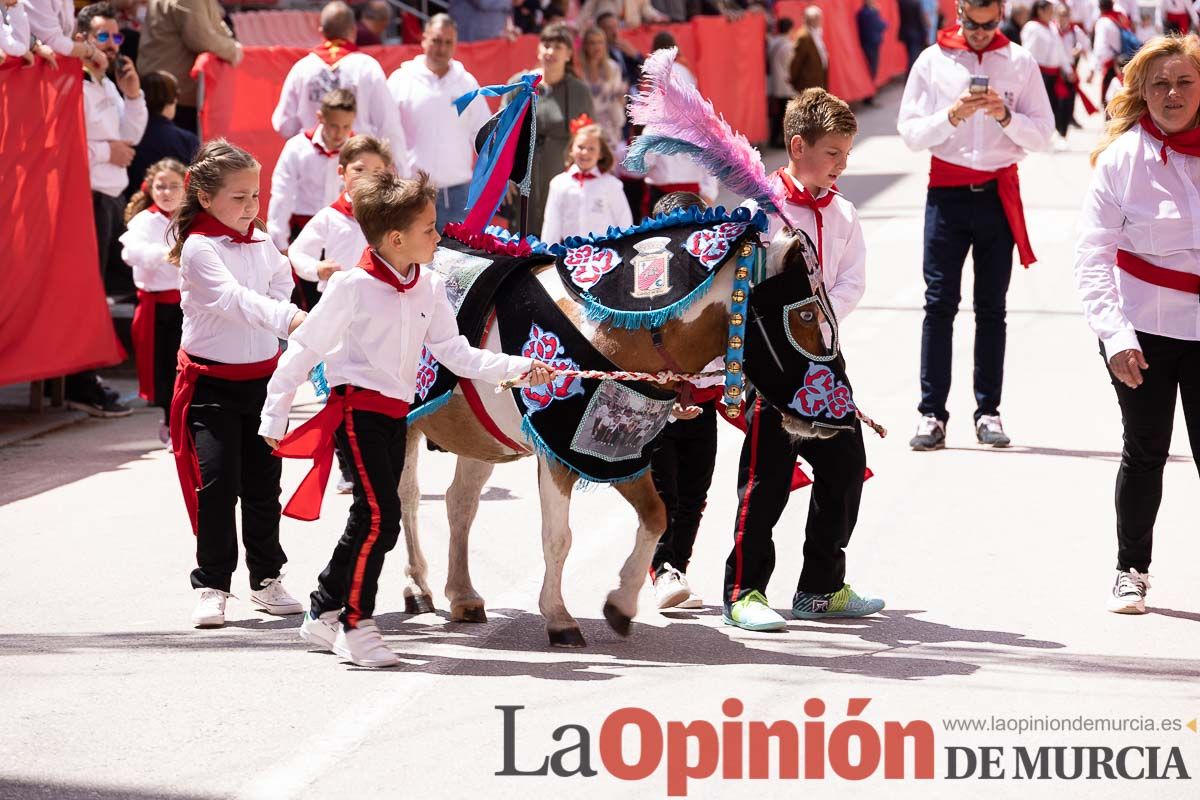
column 545, row 346
column 711, row 245
column 589, row 264
column 427, row 372
column 822, row 394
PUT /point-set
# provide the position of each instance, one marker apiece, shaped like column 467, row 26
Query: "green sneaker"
column 845, row 602
column 752, row 613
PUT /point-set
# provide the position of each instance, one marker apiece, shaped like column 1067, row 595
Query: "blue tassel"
column 428, row 407
column 585, row 481
column 316, row 376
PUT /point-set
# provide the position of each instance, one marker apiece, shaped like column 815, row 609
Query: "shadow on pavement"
column 1106, row 455
column 29, row 789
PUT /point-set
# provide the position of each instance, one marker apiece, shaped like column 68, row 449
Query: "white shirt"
column 330, row 231
column 1131, row 9
column 304, row 181
column 310, row 79
column 779, row 60
column 1075, row 39
column 109, row 117
column 1138, row 204
column 14, row 31
column 53, row 23
column 844, row 250
column 1084, row 12
column 579, row 209
column 441, row 142
column 1107, row 41
column 940, row 76
column 371, row 336
column 1045, row 44
column 1114, row 88
column 144, row 247
column 1175, row 7
column 234, row 298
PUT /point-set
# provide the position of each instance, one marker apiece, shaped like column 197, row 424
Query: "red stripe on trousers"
column 741, row 525
column 353, row 603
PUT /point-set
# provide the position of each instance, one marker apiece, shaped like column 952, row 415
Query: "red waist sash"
column 314, row 440
column 1143, row 270
column 141, row 330
column 943, row 174
column 1060, row 85
column 1182, row 21
column 182, row 444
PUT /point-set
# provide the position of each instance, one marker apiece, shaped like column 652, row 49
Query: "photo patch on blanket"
column 619, row 423
column 460, row 269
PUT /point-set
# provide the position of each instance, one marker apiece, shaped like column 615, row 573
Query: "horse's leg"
column 554, row 488
column 462, row 503
column 621, row 605
column 417, row 597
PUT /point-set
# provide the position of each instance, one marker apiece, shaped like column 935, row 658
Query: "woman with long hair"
column 1137, row 266
column 606, row 83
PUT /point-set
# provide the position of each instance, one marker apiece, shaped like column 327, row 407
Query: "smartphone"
column 979, row 84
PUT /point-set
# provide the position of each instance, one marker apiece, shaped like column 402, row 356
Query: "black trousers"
column 350, row 581
column 764, row 485
column 305, row 293
column 1148, row 416
column 168, row 328
column 235, row 463
column 957, row 221
column 1063, row 107
column 1110, row 75
column 682, row 467
column 109, row 215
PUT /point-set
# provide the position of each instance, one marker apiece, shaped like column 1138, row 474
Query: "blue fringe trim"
column 599, row 312
column 428, row 407
column 316, row 376
column 585, row 481
column 680, row 216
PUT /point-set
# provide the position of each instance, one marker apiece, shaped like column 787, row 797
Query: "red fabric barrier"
column 54, row 319
column 236, row 103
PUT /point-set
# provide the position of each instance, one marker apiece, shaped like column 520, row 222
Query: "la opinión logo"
column 734, row 749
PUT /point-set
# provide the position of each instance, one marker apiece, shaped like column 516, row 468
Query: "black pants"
column 110, row 224
column 1110, row 75
column 682, row 467
column 168, row 327
column 1148, row 415
column 956, row 221
column 235, row 463
column 188, row 118
column 776, row 106
column 305, row 294
column 1063, row 107
column 764, row 485
column 350, row 581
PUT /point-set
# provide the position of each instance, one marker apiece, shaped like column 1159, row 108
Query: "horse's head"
column 793, row 356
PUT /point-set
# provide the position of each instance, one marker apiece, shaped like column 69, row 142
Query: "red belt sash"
column 1143, row 270
column 943, row 174
column 182, row 443
column 1060, row 85
column 298, row 221
column 142, row 333
column 1182, row 21
column 707, row 394
column 314, row 440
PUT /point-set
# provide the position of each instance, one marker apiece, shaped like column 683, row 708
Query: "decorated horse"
column 626, row 317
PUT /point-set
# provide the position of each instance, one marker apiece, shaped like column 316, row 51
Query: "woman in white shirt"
column 1137, row 266
column 1041, row 38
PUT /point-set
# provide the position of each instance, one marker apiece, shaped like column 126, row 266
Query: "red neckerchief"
column 311, row 135
column 376, row 267
column 332, row 51
column 1119, row 17
column 802, row 197
column 208, row 225
column 343, row 205
column 953, row 39
column 154, row 209
column 582, row 176
column 1187, row 142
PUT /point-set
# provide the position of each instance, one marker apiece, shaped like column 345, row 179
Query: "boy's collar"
column 801, row 185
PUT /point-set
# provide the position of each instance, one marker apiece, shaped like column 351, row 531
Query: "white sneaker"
column 670, row 587
column 364, row 646
column 1129, row 592
column 210, row 608
column 322, row 631
column 693, row 601
column 274, row 599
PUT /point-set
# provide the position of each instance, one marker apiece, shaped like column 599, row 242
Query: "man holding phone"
column 976, row 101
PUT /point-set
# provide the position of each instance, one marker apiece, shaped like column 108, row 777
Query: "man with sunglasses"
column 977, row 102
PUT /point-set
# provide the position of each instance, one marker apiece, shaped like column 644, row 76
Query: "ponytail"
column 216, row 159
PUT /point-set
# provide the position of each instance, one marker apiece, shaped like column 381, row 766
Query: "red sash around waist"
column 1182, row 21
column 1143, row 270
column 182, row 443
column 1060, row 85
column 943, row 174
column 314, row 440
column 141, row 330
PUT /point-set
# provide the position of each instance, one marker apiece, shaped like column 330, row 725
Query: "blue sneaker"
column 845, row 602
column 752, row 613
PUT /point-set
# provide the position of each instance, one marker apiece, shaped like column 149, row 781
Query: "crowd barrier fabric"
column 54, row 318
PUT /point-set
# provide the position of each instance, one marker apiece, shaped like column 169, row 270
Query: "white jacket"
column 332, row 233
column 110, row 117
column 144, row 247
column 53, row 23
column 14, row 31
column 579, row 209
column 304, row 181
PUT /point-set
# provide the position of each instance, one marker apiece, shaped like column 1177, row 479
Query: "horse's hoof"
column 618, row 620
column 472, row 613
column 567, row 637
column 418, row 604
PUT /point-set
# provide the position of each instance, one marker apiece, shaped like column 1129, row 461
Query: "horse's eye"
column 807, row 316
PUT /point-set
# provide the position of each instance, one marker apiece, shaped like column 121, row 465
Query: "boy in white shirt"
column 370, row 329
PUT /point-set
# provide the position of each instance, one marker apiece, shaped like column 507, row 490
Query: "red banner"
column 54, row 319
column 728, row 58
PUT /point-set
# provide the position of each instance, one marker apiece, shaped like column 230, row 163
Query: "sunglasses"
column 972, row 25
column 104, row 36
